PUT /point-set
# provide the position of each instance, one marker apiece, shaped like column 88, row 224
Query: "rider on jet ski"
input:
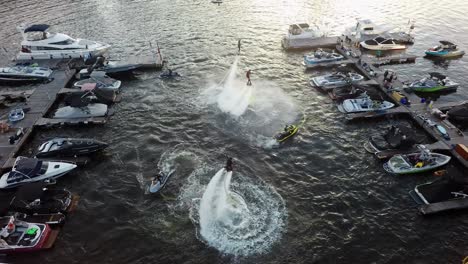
column 229, row 164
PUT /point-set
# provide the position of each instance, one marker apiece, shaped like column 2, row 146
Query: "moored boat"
column 338, row 79
column 301, row 36
column 69, row 147
column 446, row 49
column 320, row 56
column 23, row 73
column 347, row 92
column 435, row 83
column 91, row 110
column 365, row 104
column 415, row 162
column 101, row 81
column 381, row 43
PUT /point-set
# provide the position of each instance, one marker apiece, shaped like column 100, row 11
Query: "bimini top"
column 36, row 28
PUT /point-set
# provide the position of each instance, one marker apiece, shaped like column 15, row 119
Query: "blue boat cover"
column 35, row 28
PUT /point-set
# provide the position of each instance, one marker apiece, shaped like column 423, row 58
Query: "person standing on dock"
column 385, row 75
column 239, row 46
column 247, row 74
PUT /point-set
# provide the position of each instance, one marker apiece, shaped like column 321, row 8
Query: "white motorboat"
column 338, row 79
column 101, row 80
column 416, row 162
column 299, row 36
column 38, row 44
column 26, row 170
column 321, row 56
column 22, row 73
column 363, row 105
column 365, row 29
column 90, row 110
column 381, row 43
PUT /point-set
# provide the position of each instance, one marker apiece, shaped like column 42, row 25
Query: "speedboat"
column 37, row 198
column 38, row 44
column 288, row 132
column 415, row 162
column 338, row 79
column 18, row 236
column 300, row 36
column 69, row 147
column 446, row 49
column 397, row 137
column 365, row 29
column 158, row 184
column 381, row 43
column 22, row 73
column 27, row 170
column 365, row 104
column 101, row 80
column 16, row 115
column 435, row 83
column 347, row 92
column 321, row 56
column 91, row 110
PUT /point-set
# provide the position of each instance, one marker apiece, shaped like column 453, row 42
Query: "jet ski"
column 446, row 49
column 169, row 74
column 159, row 182
column 69, row 147
column 288, row 132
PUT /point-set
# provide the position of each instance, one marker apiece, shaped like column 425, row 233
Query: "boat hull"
column 63, row 54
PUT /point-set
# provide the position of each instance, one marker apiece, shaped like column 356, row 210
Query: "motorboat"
column 69, row 147
column 446, row 49
column 91, row 110
column 160, row 181
column 90, row 94
column 435, row 83
column 39, row 44
column 50, row 219
column 459, row 113
column 338, row 79
column 39, row 198
column 16, row 115
column 101, row 80
column 22, row 73
column 288, row 132
column 365, row 29
column 381, row 43
column 301, row 36
column 448, row 192
column 416, row 162
column 346, row 92
column 321, row 56
column 27, row 170
column 397, row 137
column 365, row 104
column 19, row 236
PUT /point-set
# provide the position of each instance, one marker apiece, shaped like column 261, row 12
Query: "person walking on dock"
column 239, row 44
column 385, row 75
column 247, row 74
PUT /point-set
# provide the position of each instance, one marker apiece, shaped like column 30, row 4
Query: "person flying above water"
column 229, row 164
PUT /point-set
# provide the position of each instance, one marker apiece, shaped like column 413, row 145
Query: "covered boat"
column 435, row 83
column 321, row 56
column 91, row 110
column 346, row 92
column 27, row 170
column 365, row 104
column 338, row 79
column 288, row 132
column 415, row 162
column 381, row 43
column 90, row 94
column 22, row 73
column 160, row 181
column 69, row 147
column 18, row 236
column 301, row 36
column 446, row 49
column 397, row 137
column 38, row 44
column 459, row 113
column 101, row 81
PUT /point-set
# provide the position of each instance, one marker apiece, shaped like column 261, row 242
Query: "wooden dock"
column 324, row 42
column 329, row 64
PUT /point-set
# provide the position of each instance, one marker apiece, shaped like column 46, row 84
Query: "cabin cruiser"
column 415, row 162
column 381, row 43
column 300, row 36
column 365, row 104
column 38, row 44
column 69, row 147
column 27, row 170
column 435, row 83
column 338, row 79
column 90, row 110
column 365, row 29
column 321, row 56
column 18, row 236
column 24, row 73
column 101, row 80
column 446, row 49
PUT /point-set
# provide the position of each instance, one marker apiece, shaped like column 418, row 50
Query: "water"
column 337, row 203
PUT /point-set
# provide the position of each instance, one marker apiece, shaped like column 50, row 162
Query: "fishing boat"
column 288, row 132
column 158, row 183
column 69, row 147
column 346, row 92
column 27, row 170
column 100, row 80
column 365, row 104
column 39, row 44
column 446, row 49
column 91, row 110
column 321, row 56
column 16, row 115
column 435, row 83
column 338, row 79
column 23, row 73
column 415, row 162
column 19, row 236
column 381, row 43
column 301, row 36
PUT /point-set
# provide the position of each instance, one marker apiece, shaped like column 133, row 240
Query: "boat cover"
column 460, row 111
column 37, row 28
column 24, row 167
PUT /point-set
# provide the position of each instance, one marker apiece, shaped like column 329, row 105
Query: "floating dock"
column 324, row 42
